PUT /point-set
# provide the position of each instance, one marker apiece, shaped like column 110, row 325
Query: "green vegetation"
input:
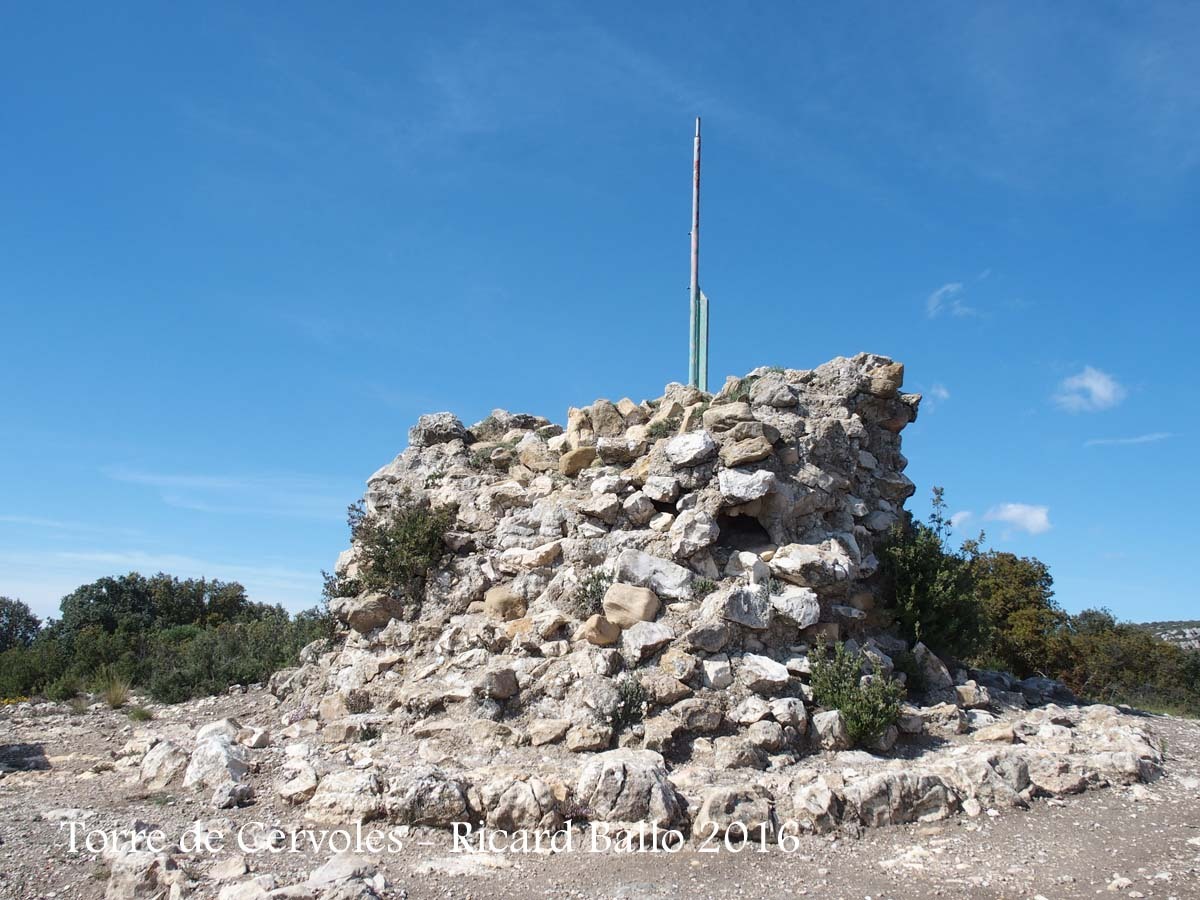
column 139, row 714
column 632, row 706
column 173, row 638
column 997, row 610
column 395, row 551
column 702, row 587
column 588, row 597
column 18, row 625
column 664, row 428
column 868, row 705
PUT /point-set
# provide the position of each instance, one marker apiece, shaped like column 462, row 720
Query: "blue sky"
column 240, row 253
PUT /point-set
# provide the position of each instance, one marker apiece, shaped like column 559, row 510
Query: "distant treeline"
column 1157, row 627
column 174, row 638
column 997, row 610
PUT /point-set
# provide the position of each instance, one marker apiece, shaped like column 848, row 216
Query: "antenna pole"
column 698, row 344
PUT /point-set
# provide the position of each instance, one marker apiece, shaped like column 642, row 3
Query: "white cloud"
column 1033, row 519
column 293, row 496
column 948, row 299
column 939, row 392
column 1152, row 438
column 961, row 517
column 1089, row 391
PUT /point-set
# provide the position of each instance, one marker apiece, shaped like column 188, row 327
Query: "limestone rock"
column 692, row 532
column 575, row 461
column 630, row 786
column 748, row 607
column 162, row 764
column 761, row 673
column 797, row 605
column 740, row 486
column 213, row 762
column 691, row 449
column 665, row 578
column 829, row 731
column 642, row 639
column 626, row 604
column 813, row 565
column 599, row 631
column 437, row 428
column 751, row 808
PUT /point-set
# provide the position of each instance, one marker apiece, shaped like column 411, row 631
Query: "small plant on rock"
column 868, row 705
column 663, row 428
column 702, row 587
column 589, row 594
column 139, row 714
column 632, row 706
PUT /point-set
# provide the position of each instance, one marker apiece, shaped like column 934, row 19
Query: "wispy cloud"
column 1026, row 517
column 948, row 299
column 42, row 577
column 1089, row 391
column 1153, row 438
column 961, row 518
column 289, row 495
column 67, row 526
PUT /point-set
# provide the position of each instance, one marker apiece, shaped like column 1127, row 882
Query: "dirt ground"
column 1140, row 841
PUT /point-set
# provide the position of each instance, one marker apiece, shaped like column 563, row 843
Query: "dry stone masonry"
column 619, row 633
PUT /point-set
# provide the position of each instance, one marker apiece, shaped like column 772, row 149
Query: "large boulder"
column 425, row 795
column 813, row 565
column 665, row 578
column 214, row 761
column 347, row 797
column 748, row 810
column 162, row 764
column 691, row 449
column 437, row 428
column 627, row 604
column 630, row 786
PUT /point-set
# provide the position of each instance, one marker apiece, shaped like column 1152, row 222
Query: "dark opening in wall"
column 742, row 533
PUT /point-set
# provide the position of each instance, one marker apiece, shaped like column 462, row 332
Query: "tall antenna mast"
column 698, row 345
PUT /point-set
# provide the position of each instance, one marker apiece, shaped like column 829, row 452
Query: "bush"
column 632, row 706
column 931, row 587
column 139, row 714
column 395, row 551
column 63, row 688
column 702, row 587
column 868, row 705
column 588, row 596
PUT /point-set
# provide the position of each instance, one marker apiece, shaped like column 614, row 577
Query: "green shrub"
column 396, row 551
column 632, row 706
column 63, row 688
column 663, row 428
column 932, row 588
column 868, row 705
column 588, row 597
column 139, row 714
column 702, row 587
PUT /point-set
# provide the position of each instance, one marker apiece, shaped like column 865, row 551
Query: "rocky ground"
column 1133, row 840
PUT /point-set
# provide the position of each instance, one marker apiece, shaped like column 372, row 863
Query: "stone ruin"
column 621, row 630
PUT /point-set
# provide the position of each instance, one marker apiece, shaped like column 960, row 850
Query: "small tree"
column 932, row 587
column 18, row 625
